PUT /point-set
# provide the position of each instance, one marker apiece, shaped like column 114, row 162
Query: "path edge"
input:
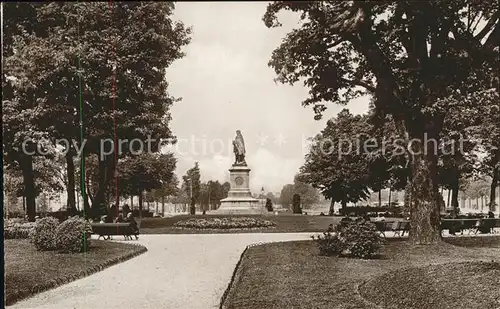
column 235, row 274
column 19, row 295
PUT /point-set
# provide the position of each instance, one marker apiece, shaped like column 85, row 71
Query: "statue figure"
column 239, row 149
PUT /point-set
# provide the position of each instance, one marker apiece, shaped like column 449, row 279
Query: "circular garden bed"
column 224, row 223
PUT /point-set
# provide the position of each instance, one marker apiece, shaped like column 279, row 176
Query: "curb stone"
column 18, row 295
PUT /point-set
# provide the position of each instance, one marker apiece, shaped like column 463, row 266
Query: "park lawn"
column 293, row 275
column 28, row 271
column 285, row 223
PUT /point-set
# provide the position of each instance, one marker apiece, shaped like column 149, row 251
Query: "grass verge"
column 28, row 271
column 285, row 223
column 293, row 275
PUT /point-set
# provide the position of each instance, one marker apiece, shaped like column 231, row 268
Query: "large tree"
column 408, row 55
column 192, row 184
column 336, row 163
column 99, row 68
column 145, row 172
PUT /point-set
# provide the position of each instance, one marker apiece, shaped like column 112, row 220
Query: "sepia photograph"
column 251, row 154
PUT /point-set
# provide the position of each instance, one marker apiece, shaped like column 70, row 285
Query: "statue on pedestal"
column 239, row 149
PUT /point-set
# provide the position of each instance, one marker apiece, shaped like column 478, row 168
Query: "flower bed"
column 224, row 223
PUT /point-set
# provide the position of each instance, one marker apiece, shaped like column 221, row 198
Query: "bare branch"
column 335, row 43
column 489, row 25
column 477, row 22
column 361, row 83
column 493, row 38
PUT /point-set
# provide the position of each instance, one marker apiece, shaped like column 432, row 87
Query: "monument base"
column 239, row 198
column 247, row 206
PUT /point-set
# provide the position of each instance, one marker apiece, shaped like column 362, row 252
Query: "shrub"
column 43, row 235
column 269, row 205
column 328, row 244
column 73, row 235
column 358, row 239
column 17, row 229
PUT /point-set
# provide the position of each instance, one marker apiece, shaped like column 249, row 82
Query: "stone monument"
column 239, row 199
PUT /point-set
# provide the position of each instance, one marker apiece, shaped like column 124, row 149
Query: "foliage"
column 286, row 195
column 296, row 209
column 73, row 235
column 54, row 47
column 44, row 234
column 309, row 195
column 358, row 239
column 409, row 56
column 17, row 229
column 224, row 223
column 333, row 165
column 328, row 244
column 269, row 204
column 146, row 172
column 191, row 182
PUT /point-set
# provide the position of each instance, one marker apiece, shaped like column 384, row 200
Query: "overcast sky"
column 226, row 85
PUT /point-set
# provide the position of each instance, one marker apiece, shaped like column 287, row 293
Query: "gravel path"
column 178, row 271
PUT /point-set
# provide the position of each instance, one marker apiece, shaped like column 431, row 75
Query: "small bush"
column 269, row 205
column 328, row 244
column 73, row 235
column 17, row 229
column 43, row 235
column 358, row 239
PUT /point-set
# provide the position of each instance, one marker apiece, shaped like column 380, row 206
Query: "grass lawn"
column 28, row 271
column 445, row 276
column 285, row 223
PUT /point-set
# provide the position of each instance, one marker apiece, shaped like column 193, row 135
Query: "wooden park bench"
column 489, row 224
column 106, row 230
column 470, row 225
column 383, row 226
column 398, row 227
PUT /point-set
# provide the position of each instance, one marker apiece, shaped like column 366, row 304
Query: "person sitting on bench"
column 120, row 218
column 132, row 222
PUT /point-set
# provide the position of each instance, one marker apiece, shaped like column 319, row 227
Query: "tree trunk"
column 407, row 197
column 24, row 204
column 344, row 204
column 331, row 211
column 162, row 205
column 26, row 163
column 106, row 171
column 131, row 202
column 494, row 183
column 77, row 201
column 424, row 208
column 380, row 198
column 140, row 204
column 390, row 193
column 454, row 195
column 70, row 169
column 98, row 202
